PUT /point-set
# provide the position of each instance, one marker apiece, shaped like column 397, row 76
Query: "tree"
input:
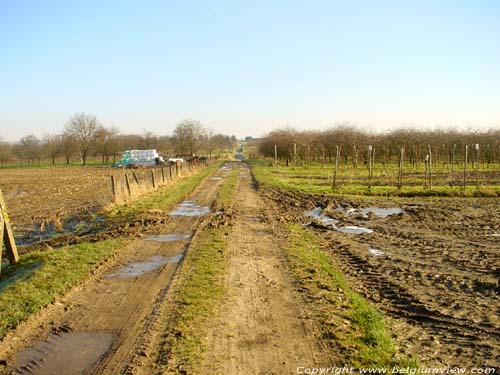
column 28, row 149
column 107, row 143
column 187, row 136
column 52, row 146
column 5, row 152
column 82, row 128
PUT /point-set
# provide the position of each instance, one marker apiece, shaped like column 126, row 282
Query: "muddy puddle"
column 76, row 226
column 334, row 223
column 65, row 353
column 171, row 237
column 382, row 212
column 376, row 252
column 189, row 208
column 136, row 269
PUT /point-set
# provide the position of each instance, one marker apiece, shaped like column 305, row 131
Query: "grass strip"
column 199, row 289
column 315, row 181
column 41, row 276
column 354, row 329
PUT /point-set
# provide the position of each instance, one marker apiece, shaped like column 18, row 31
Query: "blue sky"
column 246, row 67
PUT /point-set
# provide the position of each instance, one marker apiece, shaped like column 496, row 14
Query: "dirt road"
column 258, row 329
column 98, row 328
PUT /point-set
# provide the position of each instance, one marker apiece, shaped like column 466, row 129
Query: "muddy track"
column 116, row 310
column 260, row 326
column 439, row 276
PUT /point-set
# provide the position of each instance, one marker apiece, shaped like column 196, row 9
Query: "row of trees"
column 446, row 145
column 84, row 136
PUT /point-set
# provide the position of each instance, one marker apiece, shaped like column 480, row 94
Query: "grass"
column 164, row 197
column 316, row 180
column 226, row 192
column 347, row 320
column 198, row 293
column 40, row 277
column 199, row 289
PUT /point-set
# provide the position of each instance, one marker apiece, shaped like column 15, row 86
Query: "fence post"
column 370, row 167
column 153, row 178
column 170, row 170
column 430, row 167
column 466, row 160
column 477, row 165
column 135, row 178
column 400, row 173
column 128, row 184
column 113, row 186
column 163, row 175
column 6, row 235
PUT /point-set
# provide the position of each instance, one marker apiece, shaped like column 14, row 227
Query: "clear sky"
column 245, row 67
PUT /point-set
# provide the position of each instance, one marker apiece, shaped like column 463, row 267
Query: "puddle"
column 333, row 223
column 189, row 208
column 376, row 252
column 66, row 353
column 316, row 214
column 352, row 229
column 382, row 212
column 135, row 269
column 169, row 237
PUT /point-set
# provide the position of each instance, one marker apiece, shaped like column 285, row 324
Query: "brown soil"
column 259, row 327
column 36, row 194
column 125, row 307
column 437, row 277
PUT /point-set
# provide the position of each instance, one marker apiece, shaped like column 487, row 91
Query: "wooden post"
column 113, row 186
column 295, row 155
column 308, row 156
column 477, row 165
column 170, row 170
column 153, row 178
column 275, row 156
column 430, row 167
column 128, row 184
column 426, row 173
column 355, row 150
column 466, row 160
column 163, row 175
column 136, row 179
column 370, row 167
column 337, row 156
column 400, row 172
column 176, row 169
column 6, row 234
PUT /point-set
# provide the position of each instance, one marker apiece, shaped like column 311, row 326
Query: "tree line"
column 354, row 145
column 84, row 137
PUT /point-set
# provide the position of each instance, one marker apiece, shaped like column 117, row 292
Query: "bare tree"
column 82, row 128
column 28, row 149
column 107, row 143
column 52, row 146
column 187, row 136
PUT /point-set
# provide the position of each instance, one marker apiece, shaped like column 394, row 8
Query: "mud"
column 437, row 278
column 64, row 353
